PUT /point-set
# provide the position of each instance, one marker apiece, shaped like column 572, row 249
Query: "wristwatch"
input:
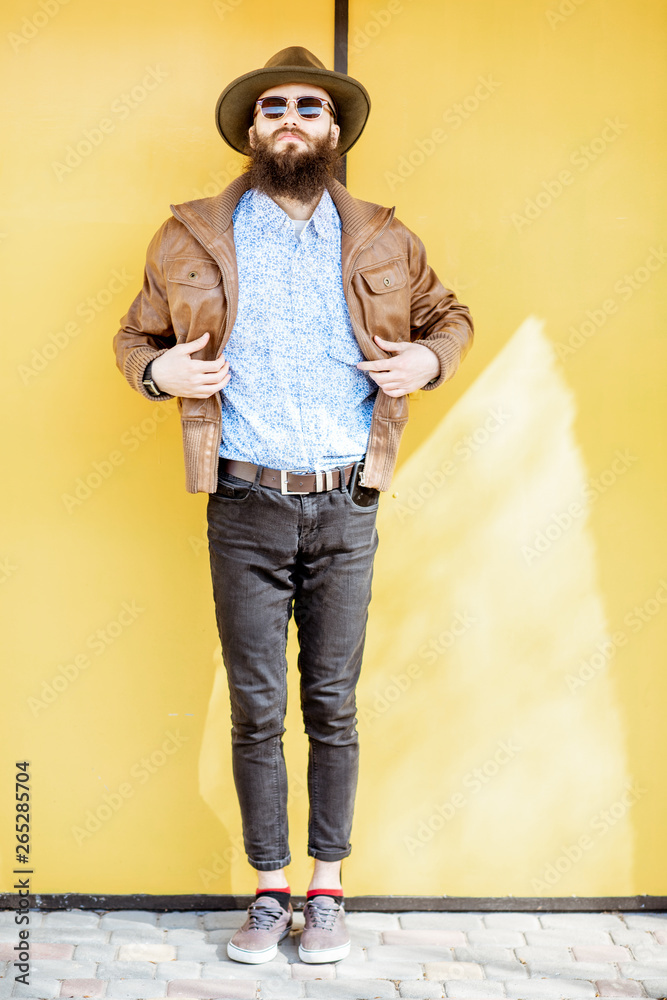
column 147, row 380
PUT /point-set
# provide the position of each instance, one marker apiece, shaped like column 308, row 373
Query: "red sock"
column 324, row 892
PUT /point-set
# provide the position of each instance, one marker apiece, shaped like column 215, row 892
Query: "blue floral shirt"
column 295, row 399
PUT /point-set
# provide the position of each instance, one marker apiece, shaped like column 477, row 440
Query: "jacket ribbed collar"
column 216, row 212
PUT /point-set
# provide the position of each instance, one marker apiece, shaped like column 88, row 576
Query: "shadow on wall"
column 487, row 625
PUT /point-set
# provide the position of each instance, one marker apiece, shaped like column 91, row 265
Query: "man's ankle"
column 276, row 879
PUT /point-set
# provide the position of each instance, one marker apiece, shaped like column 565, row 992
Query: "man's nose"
column 291, row 115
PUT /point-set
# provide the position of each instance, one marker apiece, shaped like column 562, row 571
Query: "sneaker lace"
column 262, row 918
column 323, row 917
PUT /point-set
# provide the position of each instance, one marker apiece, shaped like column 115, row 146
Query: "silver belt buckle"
column 283, row 486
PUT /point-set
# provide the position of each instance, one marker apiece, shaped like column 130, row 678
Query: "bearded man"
column 291, row 321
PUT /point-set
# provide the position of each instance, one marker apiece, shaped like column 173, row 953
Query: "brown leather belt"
column 286, row 482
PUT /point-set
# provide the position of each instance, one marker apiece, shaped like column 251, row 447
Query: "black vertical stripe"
column 341, row 17
column 341, row 23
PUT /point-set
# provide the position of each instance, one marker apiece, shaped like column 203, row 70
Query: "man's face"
column 291, row 131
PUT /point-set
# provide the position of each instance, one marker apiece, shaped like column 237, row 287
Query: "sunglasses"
column 309, row 108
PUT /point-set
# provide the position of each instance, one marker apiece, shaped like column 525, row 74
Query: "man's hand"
column 410, row 368
column 177, row 373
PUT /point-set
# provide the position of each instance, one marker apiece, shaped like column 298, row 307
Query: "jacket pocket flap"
column 385, row 277
column 193, row 271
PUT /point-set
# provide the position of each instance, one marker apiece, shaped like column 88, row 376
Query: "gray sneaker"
column 256, row 941
column 325, row 937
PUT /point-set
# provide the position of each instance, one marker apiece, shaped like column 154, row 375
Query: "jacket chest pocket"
column 195, row 272
column 383, row 294
column 382, row 279
column 194, row 289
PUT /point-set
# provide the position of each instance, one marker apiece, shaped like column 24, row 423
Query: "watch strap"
column 148, row 381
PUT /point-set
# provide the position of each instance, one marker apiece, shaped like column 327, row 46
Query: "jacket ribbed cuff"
column 448, row 351
column 135, row 366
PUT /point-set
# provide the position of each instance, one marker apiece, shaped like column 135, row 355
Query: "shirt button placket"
column 297, row 302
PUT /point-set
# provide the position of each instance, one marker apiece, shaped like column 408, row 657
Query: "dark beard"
column 299, row 174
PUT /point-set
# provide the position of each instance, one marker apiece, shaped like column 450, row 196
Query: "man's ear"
column 334, row 133
column 251, row 136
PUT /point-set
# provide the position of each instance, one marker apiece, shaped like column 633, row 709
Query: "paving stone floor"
column 140, row 955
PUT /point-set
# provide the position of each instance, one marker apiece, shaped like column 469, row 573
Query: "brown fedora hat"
column 233, row 112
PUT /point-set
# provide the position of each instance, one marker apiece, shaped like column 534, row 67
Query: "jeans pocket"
column 231, row 488
column 363, row 498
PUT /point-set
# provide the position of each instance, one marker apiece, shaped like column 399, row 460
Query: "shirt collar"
column 325, row 218
column 264, row 214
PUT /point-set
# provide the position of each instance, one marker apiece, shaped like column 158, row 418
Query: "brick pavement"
column 139, row 955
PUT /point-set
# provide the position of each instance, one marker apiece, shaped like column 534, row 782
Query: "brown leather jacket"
column 191, row 286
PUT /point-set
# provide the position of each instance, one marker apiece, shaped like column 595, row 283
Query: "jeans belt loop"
column 258, row 476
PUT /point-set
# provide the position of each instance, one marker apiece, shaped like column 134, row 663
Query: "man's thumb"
column 196, row 345
column 390, row 345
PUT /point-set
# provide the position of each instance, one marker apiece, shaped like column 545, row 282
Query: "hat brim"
column 233, row 112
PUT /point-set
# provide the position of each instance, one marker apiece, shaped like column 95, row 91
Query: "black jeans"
column 270, row 555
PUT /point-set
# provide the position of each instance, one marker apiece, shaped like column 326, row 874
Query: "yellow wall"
column 513, row 692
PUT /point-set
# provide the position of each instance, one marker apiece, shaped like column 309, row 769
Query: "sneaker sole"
column 325, row 954
column 254, row 957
